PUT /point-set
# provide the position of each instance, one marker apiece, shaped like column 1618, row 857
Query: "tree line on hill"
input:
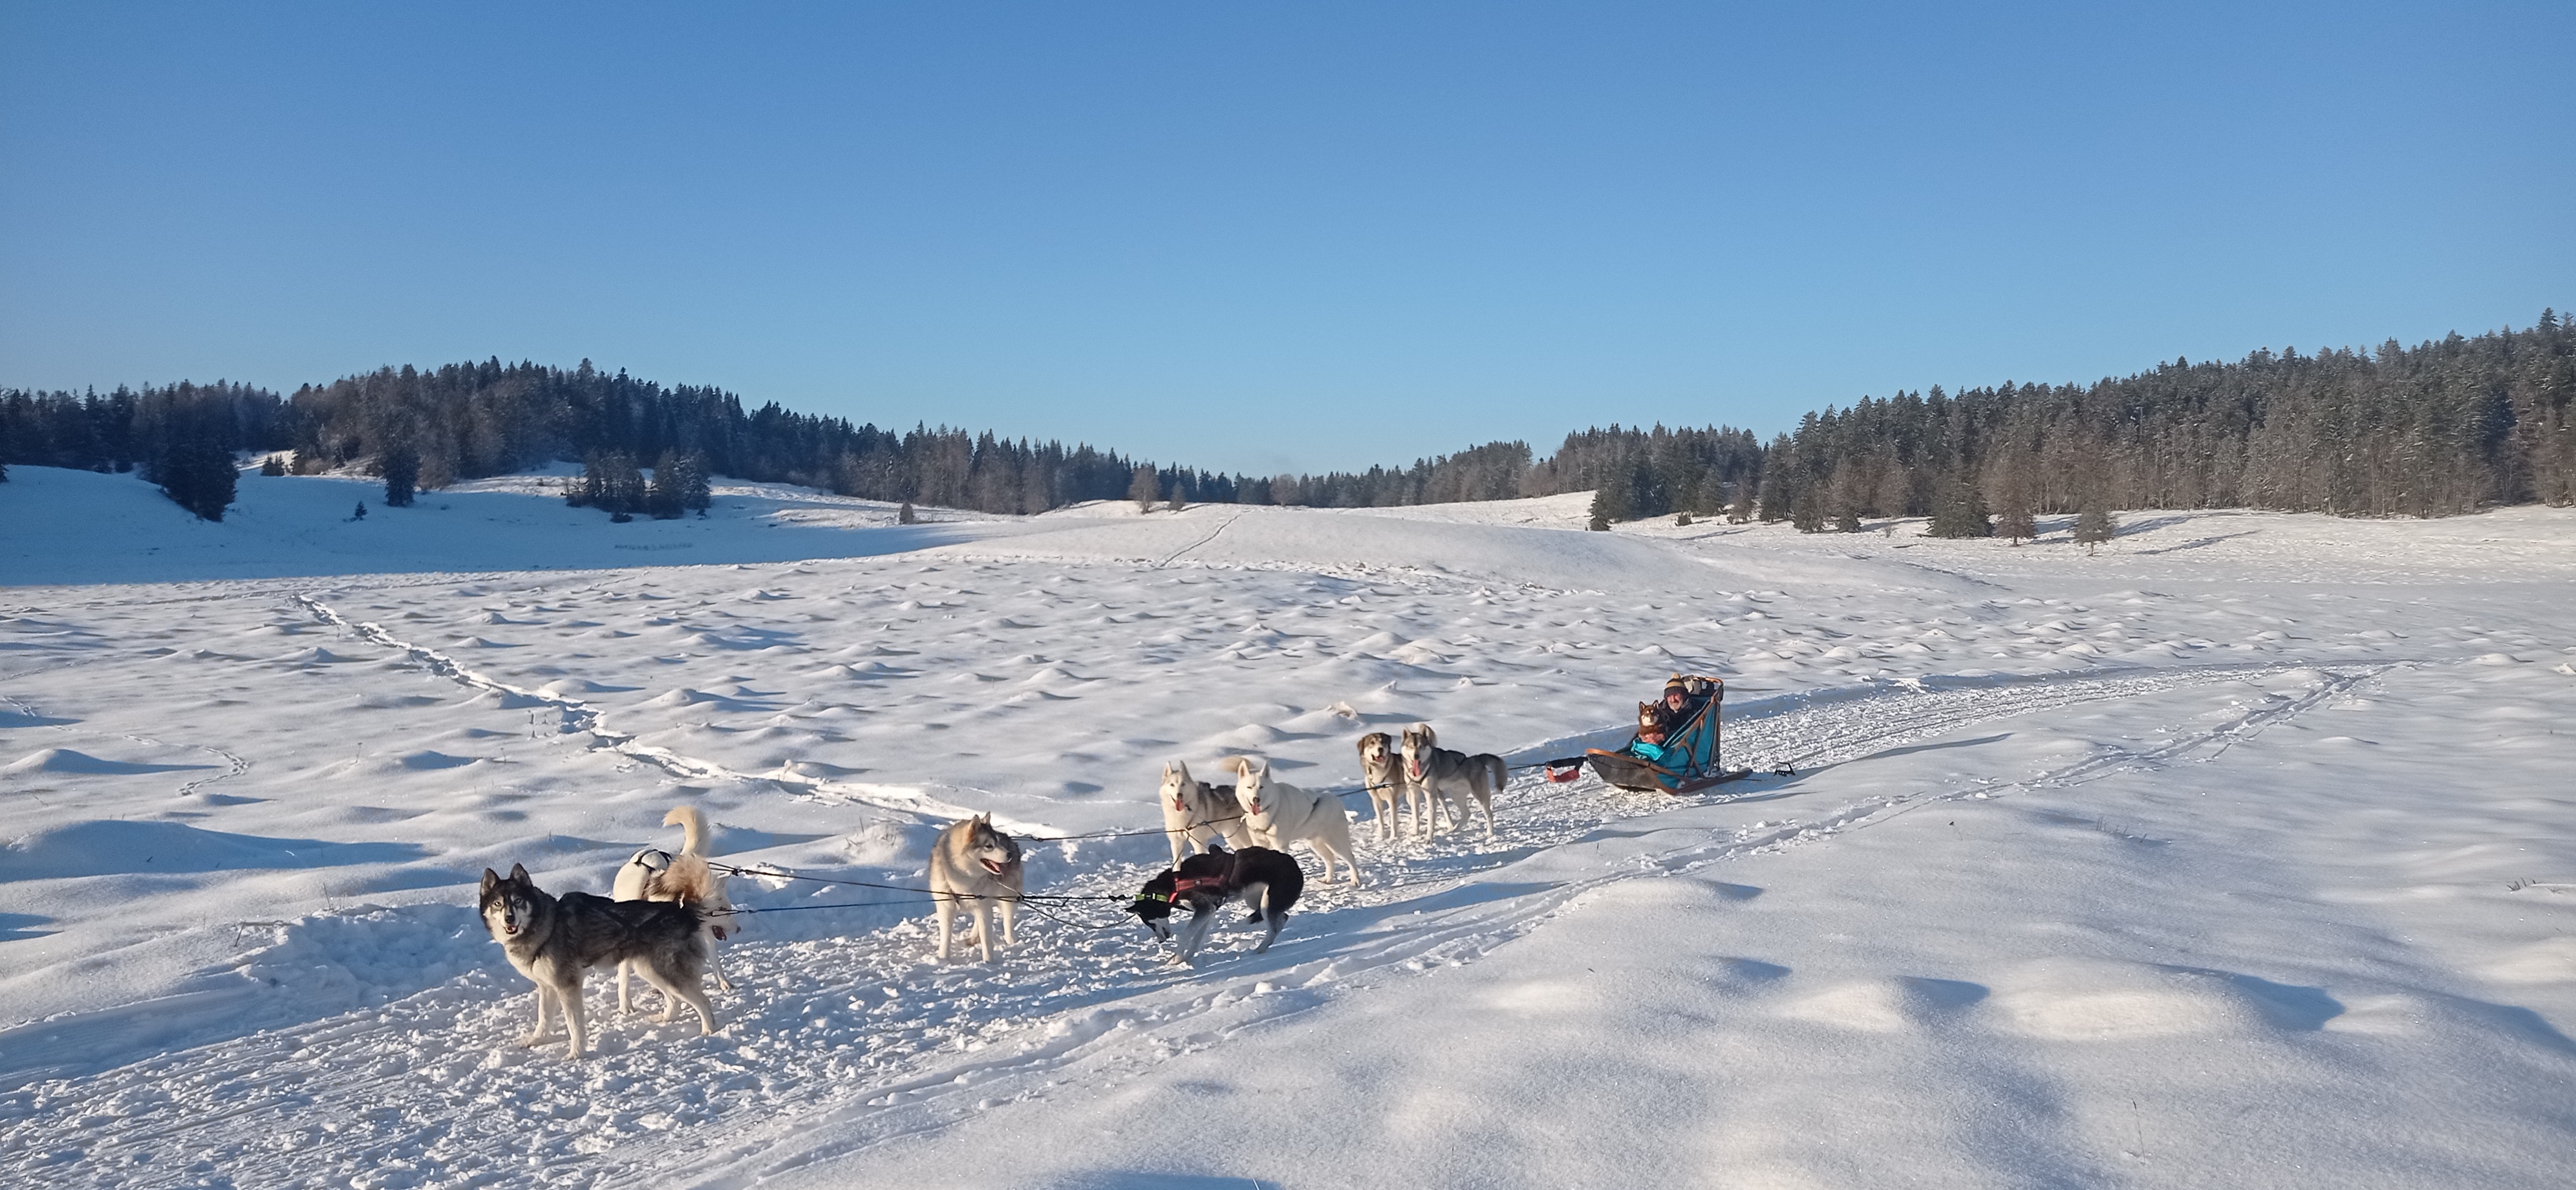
column 2440, row 428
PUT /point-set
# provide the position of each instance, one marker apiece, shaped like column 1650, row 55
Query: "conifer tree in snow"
column 2095, row 524
column 905, row 515
column 402, row 476
column 2010, row 484
column 662, row 495
column 622, row 486
column 361, row 514
column 196, row 474
column 1740, row 511
column 1143, row 488
column 1961, row 512
column 1610, row 499
column 1807, row 509
column 272, row 466
column 695, row 493
column 1176, row 503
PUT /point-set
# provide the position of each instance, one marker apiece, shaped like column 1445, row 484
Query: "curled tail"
column 693, row 829
column 1497, row 774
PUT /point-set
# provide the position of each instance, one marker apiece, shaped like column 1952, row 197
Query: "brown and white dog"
column 974, row 869
column 1454, row 775
column 657, row 875
column 1383, row 772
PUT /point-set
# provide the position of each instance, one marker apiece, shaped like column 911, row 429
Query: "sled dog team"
column 669, row 909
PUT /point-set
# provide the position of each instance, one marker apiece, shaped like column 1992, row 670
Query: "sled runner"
column 1689, row 760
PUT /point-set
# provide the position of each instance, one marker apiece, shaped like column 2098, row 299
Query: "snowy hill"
column 2235, row 855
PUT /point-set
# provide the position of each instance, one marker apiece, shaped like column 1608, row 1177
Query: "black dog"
column 1266, row 881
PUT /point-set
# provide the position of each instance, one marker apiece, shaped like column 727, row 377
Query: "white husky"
column 1280, row 813
column 656, row 875
column 974, row 868
column 1197, row 813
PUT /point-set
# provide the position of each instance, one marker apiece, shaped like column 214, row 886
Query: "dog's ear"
column 519, row 873
column 491, row 880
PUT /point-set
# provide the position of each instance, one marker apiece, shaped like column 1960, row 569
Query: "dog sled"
column 1688, row 758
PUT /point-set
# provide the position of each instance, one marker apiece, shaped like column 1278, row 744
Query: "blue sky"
column 1271, row 237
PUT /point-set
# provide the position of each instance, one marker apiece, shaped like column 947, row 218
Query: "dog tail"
column 1496, row 771
column 693, row 829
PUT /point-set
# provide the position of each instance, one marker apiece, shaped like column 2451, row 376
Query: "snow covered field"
column 2240, row 854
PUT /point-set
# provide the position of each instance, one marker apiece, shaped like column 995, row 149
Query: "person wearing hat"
column 1680, row 703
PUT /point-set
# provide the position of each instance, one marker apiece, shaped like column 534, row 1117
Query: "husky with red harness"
column 1267, row 882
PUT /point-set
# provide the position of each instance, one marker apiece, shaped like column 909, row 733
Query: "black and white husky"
column 1453, row 775
column 555, row 941
column 1267, row 882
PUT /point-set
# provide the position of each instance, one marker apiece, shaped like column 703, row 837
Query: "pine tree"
column 402, row 475
column 2095, row 524
column 272, row 466
column 593, row 486
column 905, row 515
column 1961, row 512
column 662, row 495
column 197, row 475
column 1807, row 509
column 361, row 514
column 2017, row 523
column 1610, row 501
column 1741, row 511
column 1176, row 503
column 695, row 493
column 1143, row 488
column 623, row 486
column 2009, row 481
column 1681, row 520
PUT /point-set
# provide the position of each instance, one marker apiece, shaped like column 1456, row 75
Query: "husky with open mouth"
column 974, row 869
column 1196, row 814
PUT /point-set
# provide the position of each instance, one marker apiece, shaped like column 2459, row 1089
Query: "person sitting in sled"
column 1683, row 697
column 1653, row 724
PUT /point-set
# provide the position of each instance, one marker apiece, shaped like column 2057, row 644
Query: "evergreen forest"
column 2440, row 428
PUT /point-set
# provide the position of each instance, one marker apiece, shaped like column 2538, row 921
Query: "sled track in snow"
column 580, row 717
column 864, row 1032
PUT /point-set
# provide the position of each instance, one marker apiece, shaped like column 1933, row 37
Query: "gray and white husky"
column 974, row 868
column 1280, row 813
column 657, row 875
column 1386, row 786
column 1449, row 773
column 1196, row 813
column 555, row 941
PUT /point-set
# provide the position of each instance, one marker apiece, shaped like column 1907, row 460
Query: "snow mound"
column 110, row 848
column 66, row 760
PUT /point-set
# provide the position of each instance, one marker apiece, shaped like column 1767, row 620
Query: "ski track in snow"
column 429, row 1091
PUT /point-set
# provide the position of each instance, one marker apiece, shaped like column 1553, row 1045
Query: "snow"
column 2234, row 854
